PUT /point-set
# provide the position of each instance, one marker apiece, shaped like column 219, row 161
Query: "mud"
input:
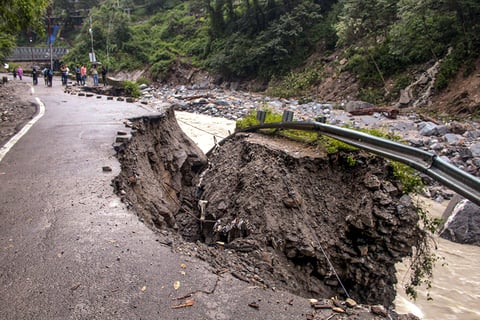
column 15, row 109
column 274, row 213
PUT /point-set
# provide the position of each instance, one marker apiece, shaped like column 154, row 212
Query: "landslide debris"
column 15, row 109
column 160, row 169
column 272, row 212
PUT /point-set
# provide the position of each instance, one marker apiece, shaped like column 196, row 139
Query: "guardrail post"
column 261, row 116
column 287, row 116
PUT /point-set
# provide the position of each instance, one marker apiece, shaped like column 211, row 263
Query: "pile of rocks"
column 339, row 309
column 455, row 142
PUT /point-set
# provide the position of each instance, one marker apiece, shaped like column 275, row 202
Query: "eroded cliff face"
column 273, row 212
column 160, row 168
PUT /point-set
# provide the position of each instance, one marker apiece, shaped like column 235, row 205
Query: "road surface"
column 69, row 249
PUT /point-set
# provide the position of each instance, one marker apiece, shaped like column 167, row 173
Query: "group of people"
column 80, row 74
column 19, row 72
column 47, row 76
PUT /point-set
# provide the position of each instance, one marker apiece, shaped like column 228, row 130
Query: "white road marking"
column 4, row 150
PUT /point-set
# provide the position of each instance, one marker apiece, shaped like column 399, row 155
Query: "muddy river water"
column 455, row 290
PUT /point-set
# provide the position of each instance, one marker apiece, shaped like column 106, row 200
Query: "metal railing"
column 423, row 161
column 36, row 54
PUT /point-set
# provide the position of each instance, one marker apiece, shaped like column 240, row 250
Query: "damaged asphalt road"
column 70, row 250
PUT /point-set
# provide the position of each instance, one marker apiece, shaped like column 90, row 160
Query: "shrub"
column 448, row 69
column 295, row 84
column 251, row 119
column 132, row 89
column 410, row 181
column 141, row 81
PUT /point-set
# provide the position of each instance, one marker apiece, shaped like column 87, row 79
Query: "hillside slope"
column 461, row 98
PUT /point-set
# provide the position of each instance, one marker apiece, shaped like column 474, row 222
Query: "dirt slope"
column 461, row 98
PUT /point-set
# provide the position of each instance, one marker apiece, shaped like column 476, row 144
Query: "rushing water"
column 456, row 285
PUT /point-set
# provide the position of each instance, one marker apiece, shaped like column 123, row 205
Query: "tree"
column 367, row 19
column 366, row 22
column 18, row 15
column 424, row 31
column 468, row 19
column 284, row 43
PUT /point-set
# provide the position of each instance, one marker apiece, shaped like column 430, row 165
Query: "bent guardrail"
column 423, row 161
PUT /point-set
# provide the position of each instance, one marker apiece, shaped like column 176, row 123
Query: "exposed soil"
column 276, row 213
column 15, row 109
column 461, row 98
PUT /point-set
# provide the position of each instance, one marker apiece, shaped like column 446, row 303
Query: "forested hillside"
column 292, row 45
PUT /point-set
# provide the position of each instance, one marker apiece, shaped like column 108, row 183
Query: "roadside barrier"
column 430, row 164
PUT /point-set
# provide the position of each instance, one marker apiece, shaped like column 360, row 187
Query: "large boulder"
column 462, row 222
column 357, row 105
column 475, row 149
column 431, row 129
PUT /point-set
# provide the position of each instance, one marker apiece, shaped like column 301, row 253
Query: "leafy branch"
column 423, row 258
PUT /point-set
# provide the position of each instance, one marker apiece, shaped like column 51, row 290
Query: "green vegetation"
column 251, row 119
column 332, row 146
column 262, row 40
column 295, row 84
column 271, row 40
column 132, row 89
column 16, row 16
column 142, row 80
column 410, row 181
column 268, row 40
column 423, row 260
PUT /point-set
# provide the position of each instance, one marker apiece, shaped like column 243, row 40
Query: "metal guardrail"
column 423, row 161
column 36, row 54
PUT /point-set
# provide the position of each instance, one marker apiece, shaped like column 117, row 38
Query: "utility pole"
column 31, row 50
column 108, row 37
column 92, row 58
column 49, row 36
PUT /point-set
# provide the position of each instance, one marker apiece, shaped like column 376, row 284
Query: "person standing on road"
column 50, row 77
column 67, row 71
column 78, row 76
column 83, row 74
column 45, row 76
column 20, row 72
column 14, row 74
column 94, row 73
column 34, row 76
column 104, row 76
column 63, row 70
